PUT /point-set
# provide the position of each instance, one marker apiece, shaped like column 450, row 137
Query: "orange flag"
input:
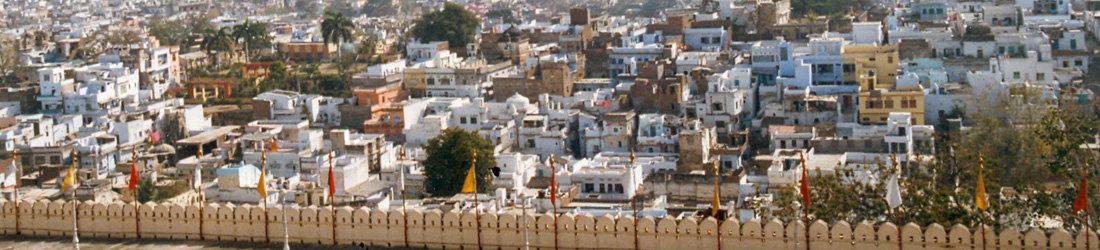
column 553, row 183
column 1082, row 201
column 134, row 178
column 331, row 179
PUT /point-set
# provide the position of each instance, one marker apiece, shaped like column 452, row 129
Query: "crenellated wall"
column 435, row 229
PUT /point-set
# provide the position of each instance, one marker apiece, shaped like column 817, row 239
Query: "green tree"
column 336, row 29
column 253, row 35
column 330, row 85
column 147, row 191
column 170, row 32
column 366, row 49
column 453, row 24
column 216, row 42
column 1033, row 149
column 505, row 15
column 276, row 77
column 9, row 60
column 449, row 160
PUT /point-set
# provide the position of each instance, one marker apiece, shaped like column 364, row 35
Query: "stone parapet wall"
column 436, row 229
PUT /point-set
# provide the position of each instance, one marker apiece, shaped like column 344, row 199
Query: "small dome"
column 511, row 35
column 517, row 98
column 163, row 149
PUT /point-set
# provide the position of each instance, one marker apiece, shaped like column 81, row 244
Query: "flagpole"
column 897, row 209
column 286, row 230
column 18, row 179
column 717, row 209
column 981, row 221
column 805, row 197
column 137, row 208
column 76, row 239
column 202, row 199
column 404, row 201
column 806, row 215
column 263, row 196
column 477, row 212
column 634, row 202
column 553, row 199
column 332, row 194
column 897, row 220
column 526, row 240
column 982, row 204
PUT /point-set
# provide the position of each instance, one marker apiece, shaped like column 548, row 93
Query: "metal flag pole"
column 477, row 212
column 634, row 201
column 263, row 196
column 553, row 200
column 526, row 241
column 202, row 199
column 286, row 230
column 897, row 210
column 18, row 179
column 717, row 210
column 404, row 201
column 981, row 221
column 798, row 209
column 897, row 220
column 76, row 239
column 137, row 207
column 806, row 215
column 332, row 203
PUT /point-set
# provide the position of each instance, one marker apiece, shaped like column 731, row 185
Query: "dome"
column 163, row 149
column 518, row 99
column 511, row 35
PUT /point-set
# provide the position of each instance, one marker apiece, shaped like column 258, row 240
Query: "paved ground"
column 26, row 242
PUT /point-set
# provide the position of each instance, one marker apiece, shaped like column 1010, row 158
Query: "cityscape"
column 538, row 124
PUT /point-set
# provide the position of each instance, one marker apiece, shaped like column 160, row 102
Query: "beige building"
column 881, row 89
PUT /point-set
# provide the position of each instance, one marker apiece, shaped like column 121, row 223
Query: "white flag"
column 11, row 174
column 197, row 183
column 893, row 192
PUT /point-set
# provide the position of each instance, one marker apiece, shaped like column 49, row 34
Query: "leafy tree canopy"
column 449, row 159
column 452, row 24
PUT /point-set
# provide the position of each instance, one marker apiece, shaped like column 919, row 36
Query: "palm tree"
column 251, row 34
column 336, row 29
column 219, row 40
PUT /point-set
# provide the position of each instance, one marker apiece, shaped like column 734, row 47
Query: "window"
column 1073, row 44
column 716, row 106
column 530, row 143
column 1078, row 62
column 870, row 104
column 1016, row 75
column 462, row 120
column 720, row 124
column 912, row 103
column 704, row 40
column 1040, row 76
column 889, row 104
column 589, row 187
column 473, row 120
column 782, row 144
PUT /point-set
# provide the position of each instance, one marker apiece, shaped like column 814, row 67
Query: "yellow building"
column 881, row 90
